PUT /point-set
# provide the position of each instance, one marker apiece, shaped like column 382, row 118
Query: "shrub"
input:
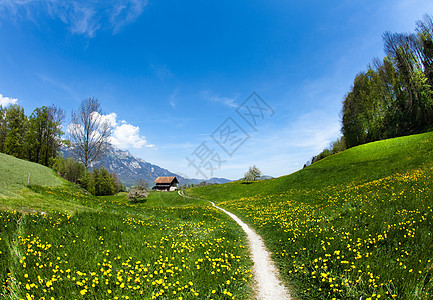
column 135, row 195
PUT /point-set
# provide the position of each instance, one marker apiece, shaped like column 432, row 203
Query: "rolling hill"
column 15, row 175
column 357, row 224
column 59, row 242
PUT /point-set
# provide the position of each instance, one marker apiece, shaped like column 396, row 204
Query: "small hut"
column 166, row 183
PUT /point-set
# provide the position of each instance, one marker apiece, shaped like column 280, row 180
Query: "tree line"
column 38, row 138
column 394, row 96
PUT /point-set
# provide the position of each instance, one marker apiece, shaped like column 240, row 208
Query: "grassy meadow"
column 356, row 224
column 58, row 242
column 15, row 176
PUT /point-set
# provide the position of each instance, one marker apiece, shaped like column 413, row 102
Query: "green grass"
column 356, row 224
column 14, row 175
column 58, row 241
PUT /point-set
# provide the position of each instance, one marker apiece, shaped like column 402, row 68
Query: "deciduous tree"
column 253, row 174
column 89, row 133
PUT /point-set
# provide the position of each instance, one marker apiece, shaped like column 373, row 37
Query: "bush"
column 135, row 195
column 103, row 182
column 99, row 182
column 69, row 169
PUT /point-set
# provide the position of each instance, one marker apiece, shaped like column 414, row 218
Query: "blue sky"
column 169, row 73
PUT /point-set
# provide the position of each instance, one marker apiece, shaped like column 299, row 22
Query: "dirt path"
column 268, row 286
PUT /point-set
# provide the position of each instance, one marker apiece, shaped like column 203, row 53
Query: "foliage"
column 357, row 224
column 16, row 126
column 393, row 97
column 88, row 131
column 69, row 169
column 118, row 186
column 35, row 138
column 335, row 147
column 338, row 145
column 99, row 182
column 137, row 194
column 43, row 137
column 103, row 182
column 252, row 174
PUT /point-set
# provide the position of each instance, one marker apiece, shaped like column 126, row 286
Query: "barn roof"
column 165, row 180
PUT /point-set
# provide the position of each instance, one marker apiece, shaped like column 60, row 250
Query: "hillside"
column 59, row 242
column 15, row 175
column 355, row 224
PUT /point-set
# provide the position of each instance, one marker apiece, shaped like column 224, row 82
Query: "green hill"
column 355, row 224
column 59, row 242
column 15, row 175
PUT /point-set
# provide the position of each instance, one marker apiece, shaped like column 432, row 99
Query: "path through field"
column 268, row 286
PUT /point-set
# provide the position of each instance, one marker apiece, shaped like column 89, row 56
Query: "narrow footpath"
column 268, row 286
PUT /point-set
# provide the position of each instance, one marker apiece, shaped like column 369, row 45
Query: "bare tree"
column 89, row 133
column 141, row 185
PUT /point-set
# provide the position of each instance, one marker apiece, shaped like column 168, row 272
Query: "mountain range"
column 130, row 168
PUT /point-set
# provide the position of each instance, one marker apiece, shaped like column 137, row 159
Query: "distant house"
column 166, row 184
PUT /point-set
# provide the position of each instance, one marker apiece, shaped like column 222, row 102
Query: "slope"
column 356, row 224
column 14, row 175
column 59, row 242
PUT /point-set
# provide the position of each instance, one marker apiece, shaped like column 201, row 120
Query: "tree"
column 69, row 169
column 338, row 145
column 43, row 138
column 119, row 187
column 89, row 133
column 3, row 127
column 136, row 195
column 141, row 185
column 253, row 174
column 16, row 126
column 103, row 182
column 139, row 192
column 408, row 56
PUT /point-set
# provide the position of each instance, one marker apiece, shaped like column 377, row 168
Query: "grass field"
column 58, row 242
column 15, row 175
column 356, row 224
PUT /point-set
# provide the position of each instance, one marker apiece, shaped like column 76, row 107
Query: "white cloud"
column 110, row 118
column 82, row 17
column 228, row 101
column 124, row 135
column 173, row 97
column 125, row 12
column 4, row 101
column 128, row 136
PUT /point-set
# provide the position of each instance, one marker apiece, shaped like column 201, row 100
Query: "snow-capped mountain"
column 130, row 168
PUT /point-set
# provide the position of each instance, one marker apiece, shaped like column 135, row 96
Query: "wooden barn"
column 165, row 184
